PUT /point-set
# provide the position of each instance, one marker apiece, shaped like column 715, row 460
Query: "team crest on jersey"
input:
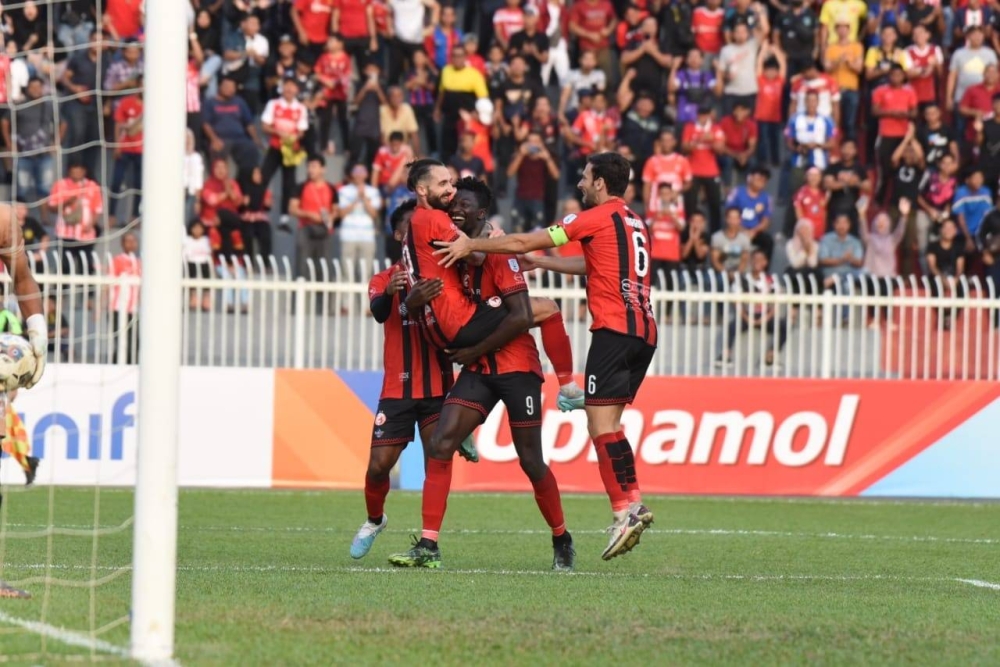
column 379, row 419
column 494, row 302
column 514, row 266
column 569, row 218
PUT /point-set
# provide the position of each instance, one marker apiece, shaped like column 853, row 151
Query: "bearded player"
column 415, row 381
column 623, row 334
column 512, row 374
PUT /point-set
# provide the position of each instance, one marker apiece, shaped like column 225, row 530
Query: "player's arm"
column 381, row 289
column 574, row 266
column 510, row 244
column 29, row 296
column 519, row 319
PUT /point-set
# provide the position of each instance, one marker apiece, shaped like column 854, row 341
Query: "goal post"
column 155, row 537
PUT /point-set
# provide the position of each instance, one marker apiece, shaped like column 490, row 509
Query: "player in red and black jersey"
column 417, row 378
column 512, row 374
column 616, row 262
column 453, row 320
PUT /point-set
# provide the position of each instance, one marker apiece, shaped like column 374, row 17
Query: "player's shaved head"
column 400, row 218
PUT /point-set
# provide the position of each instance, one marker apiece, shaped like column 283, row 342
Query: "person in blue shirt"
column 755, row 208
column 971, row 204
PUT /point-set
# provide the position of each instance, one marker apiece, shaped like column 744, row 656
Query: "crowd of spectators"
column 842, row 139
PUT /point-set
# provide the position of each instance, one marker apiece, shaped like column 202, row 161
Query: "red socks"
column 634, row 496
column 555, row 340
column 550, row 503
column 437, row 484
column 617, row 465
column 375, row 492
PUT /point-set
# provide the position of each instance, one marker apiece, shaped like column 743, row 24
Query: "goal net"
column 72, row 131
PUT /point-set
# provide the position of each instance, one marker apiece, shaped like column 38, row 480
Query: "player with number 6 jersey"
column 623, row 334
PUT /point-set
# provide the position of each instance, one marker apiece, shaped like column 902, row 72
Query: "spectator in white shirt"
column 360, row 206
column 194, row 178
column 285, row 121
column 197, row 253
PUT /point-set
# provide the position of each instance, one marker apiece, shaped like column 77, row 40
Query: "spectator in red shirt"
column 350, row 21
column 389, row 160
column 977, row 103
column 771, row 68
column 333, row 72
column 927, row 63
column 810, row 202
column 128, row 154
column 315, row 205
column 533, row 166
column 123, row 19
column 507, row 21
column 665, row 223
column 703, row 141
column 221, row 199
column 741, row 142
column 311, row 19
column 895, row 106
column 706, row 22
column 593, row 22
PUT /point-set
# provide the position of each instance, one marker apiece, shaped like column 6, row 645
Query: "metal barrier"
column 260, row 315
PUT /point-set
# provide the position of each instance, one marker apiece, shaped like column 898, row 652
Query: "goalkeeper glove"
column 38, row 336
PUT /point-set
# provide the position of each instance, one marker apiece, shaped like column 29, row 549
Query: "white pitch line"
column 64, row 636
column 357, row 569
column 980, row 584
column 705, row 532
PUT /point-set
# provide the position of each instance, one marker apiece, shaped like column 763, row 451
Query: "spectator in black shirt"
column 464, row 162
column 28, row 25
column 514, row 101
column 81, row 81
column 531, row 44
column 936, row 138
column 846, row 181
column 795, row 32
column 945, row 265
column 650, row 60
column 675, row 21
column 740, row 12
column 640, row 129
column 988, row 136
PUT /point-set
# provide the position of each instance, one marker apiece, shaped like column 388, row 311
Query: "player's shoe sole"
column 625, row 536
column 365, row 537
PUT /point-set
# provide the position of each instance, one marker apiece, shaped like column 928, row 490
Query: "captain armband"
column 558, row 235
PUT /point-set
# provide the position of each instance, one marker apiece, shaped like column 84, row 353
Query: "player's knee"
column 542, row 309
column 381, row 461
column 440, row 445
column 534, row 467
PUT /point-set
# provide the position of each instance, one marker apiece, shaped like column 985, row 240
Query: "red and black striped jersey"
column 619, row 276
column 499, row 277
column 452, row 310
column 413, row 369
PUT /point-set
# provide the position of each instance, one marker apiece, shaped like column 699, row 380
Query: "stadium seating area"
column 844, row 140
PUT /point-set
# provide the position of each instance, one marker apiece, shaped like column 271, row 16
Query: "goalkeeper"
column 15, row 437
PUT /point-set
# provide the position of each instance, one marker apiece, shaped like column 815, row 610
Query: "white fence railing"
column 258, row 314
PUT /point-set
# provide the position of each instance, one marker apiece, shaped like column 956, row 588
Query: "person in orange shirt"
column 77, row 203
column 123, row 301
column 844, row 60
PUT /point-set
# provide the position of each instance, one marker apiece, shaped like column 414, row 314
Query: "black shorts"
column 616, row 366
column 520, row 392
column 396, row 417
column 199, row 270
column 484, row 322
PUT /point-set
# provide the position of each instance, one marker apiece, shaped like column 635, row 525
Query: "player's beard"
column 438, row 202
column 589, row 200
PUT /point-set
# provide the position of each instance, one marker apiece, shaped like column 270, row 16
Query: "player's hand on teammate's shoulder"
column 423, row 292
column 452, row 251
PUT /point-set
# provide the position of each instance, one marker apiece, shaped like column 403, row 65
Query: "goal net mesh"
column 66, row 540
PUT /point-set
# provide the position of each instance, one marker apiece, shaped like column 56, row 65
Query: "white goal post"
column 155, row 544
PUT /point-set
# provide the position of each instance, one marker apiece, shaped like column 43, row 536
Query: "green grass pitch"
column 265, row 579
